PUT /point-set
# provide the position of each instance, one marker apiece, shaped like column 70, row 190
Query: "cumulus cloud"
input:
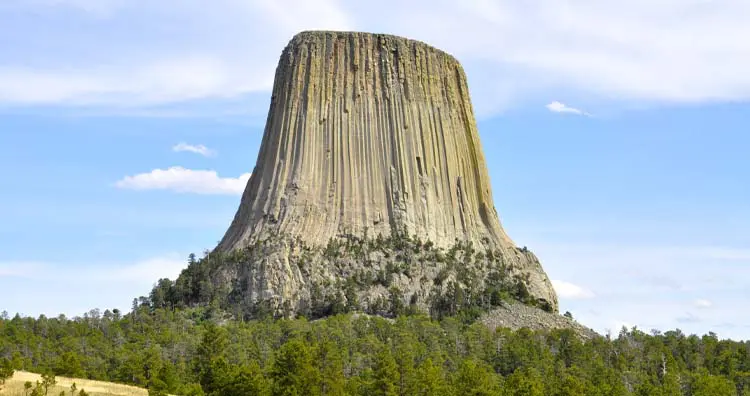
column 512, row 51
column 198, row 149
column 179, row 179
column 571, row 291
column 557, row 107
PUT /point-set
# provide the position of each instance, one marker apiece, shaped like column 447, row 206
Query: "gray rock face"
column 369, row 133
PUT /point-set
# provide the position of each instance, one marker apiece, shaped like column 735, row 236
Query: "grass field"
column 14, row 386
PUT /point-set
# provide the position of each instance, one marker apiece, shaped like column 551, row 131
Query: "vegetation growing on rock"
column 387, row 276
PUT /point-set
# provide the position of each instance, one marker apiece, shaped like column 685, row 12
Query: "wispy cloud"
column 571, row 291
column 513, row 51
column 702, row 303
column 688, row 318
column 199, row 59
column 179, row 179
column 557, row 107
column 198, row 149
column 161, row 81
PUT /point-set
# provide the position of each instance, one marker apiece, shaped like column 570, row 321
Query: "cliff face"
column 367, row 134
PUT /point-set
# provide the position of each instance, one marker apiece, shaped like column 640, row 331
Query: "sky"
column 615, row 134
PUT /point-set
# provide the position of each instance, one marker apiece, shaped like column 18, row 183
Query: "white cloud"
column 198, row 149
column 198, row 57
column 557, row 107
column 514, row 52
column 571, row 291
column 183, row 180
column 702, row 303
column 162, row 81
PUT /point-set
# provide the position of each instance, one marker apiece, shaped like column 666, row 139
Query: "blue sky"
column 615, row 133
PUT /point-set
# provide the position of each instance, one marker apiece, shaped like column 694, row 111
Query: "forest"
column 200, row 351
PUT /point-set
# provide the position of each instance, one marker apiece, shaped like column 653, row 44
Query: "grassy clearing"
column 14, row 386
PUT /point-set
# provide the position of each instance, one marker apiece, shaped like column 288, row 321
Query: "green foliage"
column 706, row 384
column 6, row 370
column 476, row 379
column 180, row 351
column 293, row 372
column 385, row 374
column 464, row 282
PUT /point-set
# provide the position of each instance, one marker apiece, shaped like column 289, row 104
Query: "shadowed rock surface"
column 369, row 134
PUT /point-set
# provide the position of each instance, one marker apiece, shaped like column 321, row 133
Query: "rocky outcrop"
column 517, row 316
column 368, row 134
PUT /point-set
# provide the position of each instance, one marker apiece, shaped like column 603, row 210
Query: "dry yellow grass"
column 14, row 386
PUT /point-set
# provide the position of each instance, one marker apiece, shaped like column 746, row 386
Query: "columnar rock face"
column 368, row 133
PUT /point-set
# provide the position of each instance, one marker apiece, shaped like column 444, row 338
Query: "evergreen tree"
column 711, row 385
column 6, row 370
column 476, row 379
column 525, row 382
column 430, row 380
column 293, row 372
column 385, row 373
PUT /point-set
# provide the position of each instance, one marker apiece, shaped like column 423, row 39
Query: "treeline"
column 190, row 352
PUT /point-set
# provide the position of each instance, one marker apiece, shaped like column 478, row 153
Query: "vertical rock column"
column 368, row 131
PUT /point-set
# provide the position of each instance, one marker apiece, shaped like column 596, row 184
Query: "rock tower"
column 366, row 134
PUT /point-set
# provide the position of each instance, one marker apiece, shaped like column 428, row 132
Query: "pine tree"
column 430, row 380
column 476, row 379
column 385, row 373
column 6, row 370
column 293, row 372
column 330, row 364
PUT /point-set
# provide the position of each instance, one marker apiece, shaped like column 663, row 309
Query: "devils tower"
column 367, row 132
column 370, row 135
